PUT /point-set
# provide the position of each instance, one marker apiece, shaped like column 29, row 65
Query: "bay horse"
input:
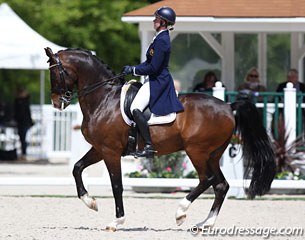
column 203, row 130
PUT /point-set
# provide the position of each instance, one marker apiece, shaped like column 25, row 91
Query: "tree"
column 93, row 24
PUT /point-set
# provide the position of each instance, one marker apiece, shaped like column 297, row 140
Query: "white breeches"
column 141, row 100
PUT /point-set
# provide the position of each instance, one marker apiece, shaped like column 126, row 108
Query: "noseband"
column 65, row 94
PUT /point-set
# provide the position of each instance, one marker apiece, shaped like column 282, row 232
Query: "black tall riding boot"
column 142, row 125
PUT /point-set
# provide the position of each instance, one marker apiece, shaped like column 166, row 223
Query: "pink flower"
column 168, row 169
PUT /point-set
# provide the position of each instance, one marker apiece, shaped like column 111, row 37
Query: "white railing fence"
column 50, row 137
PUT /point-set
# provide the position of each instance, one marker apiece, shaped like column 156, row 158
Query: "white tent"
column 20, row 46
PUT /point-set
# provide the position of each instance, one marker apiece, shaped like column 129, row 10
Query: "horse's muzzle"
column 59, row 102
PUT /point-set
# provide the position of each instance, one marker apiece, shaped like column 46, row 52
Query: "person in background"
column 22, row 116
column 207, row 84
column 251, row 86
column 293, row 77
column 252, row 82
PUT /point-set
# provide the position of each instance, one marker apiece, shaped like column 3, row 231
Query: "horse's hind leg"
column 90, row 158
column 221, row 187
column 205, row 181
column 209, row 174
column 203, row 185
column 114, row 168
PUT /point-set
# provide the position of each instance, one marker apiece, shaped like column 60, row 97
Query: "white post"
column 232, row 167
column 79, row 146
column 228, row 63
column 42, row 85
column 290, row 112
column 262, row 57
column 47, row 130
column 219, row 91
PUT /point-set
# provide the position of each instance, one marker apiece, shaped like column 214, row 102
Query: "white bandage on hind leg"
column 183, row 207
column 114, row 224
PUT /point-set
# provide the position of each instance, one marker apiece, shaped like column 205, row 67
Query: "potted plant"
column 290, row 158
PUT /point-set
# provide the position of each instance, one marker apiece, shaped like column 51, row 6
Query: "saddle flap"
column 130, row 95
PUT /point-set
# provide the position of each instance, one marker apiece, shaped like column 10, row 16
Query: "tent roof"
column 20, row 46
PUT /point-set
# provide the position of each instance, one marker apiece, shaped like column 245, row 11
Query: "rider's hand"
column 127, row 70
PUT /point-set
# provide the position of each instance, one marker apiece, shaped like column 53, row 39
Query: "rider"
column 158, row 91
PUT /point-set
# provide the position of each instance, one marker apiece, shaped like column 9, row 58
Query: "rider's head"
column 167, row 16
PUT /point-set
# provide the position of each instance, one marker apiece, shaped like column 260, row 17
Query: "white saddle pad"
column 154, row 119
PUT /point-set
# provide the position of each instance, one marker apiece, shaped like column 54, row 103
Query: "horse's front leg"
column 90, row 158
column 114, row 170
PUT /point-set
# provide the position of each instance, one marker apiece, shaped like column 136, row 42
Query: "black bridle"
column 66, row 95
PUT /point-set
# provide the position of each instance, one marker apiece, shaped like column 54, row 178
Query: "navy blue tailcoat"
column 163, row 97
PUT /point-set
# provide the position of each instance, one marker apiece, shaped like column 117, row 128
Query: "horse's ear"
column 50, row 54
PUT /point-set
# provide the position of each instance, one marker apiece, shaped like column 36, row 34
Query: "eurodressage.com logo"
column 264, row 232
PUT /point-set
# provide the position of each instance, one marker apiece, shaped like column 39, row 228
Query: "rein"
column 86, row 90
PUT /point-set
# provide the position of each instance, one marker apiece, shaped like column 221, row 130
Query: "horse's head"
column 62, row 79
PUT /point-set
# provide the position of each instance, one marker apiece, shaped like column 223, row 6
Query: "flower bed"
column 167, row 166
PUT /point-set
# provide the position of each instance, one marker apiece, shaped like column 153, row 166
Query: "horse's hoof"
column 110, row 229
column 90, row 202
column 204, row 227
column 180, row 220
column 208, row 226
column 181, row 211
column 94, row 205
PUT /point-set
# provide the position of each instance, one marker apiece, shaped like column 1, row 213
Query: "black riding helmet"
column 167, row 14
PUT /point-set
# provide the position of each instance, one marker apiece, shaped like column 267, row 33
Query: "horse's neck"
column 99, row 99
column 100, row 102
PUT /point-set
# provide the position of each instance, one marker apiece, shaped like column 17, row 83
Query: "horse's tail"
column 256, row 146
